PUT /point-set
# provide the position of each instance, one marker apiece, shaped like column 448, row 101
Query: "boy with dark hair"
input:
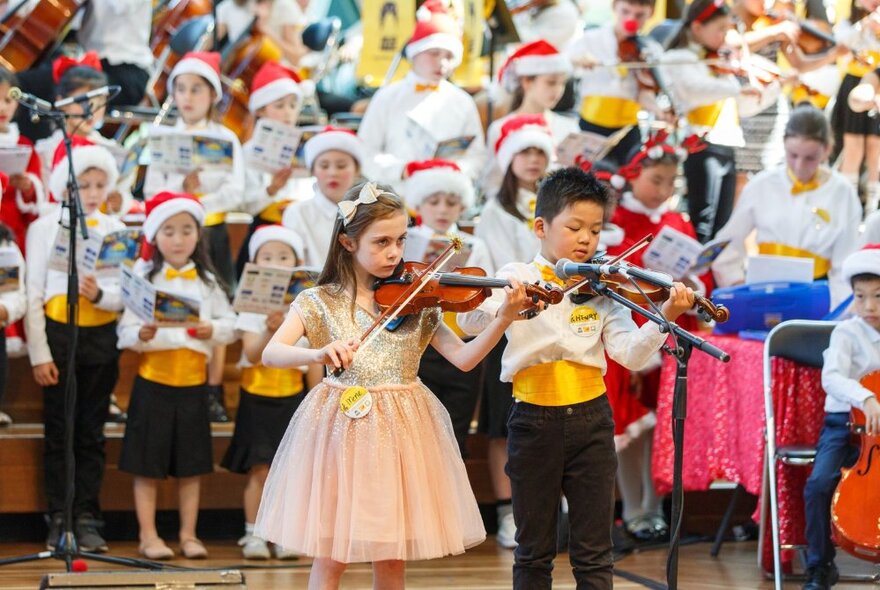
column 610, row 98
column 854, row 351
column 560, row 429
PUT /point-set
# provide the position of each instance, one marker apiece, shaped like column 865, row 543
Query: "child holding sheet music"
column 195, row 85
column 801, row 208
column 269, row 397
column 168, row 432
column 13, row 302
column 96, row 362
column 536, row 74
column 439, row 193
column 23, row 194
column 407, row 120
column 276, row 97
column 334, row 157
column 643, row 210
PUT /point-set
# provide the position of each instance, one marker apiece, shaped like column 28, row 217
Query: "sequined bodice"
column 391, row 358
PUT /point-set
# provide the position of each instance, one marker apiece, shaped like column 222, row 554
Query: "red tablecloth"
column 724, row 429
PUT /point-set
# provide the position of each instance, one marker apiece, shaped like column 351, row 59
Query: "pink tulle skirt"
column 388, row 485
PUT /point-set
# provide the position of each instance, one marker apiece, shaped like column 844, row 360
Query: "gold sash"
column 88, row 315
column 560, row 383
column 269, row 382
column 610, row 111
column 821, row 265
column 180, row 367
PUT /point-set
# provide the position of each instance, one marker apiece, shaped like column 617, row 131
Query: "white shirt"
column 402, row 125
column 236, row 18
column 854, row 351
column 220, row 191
column 694, row 85
column 767, row 205
column 119, row 31
column 10, row 139
column 509, row 239
column 601, row 43
column 557, row 24
column 479, row 257
column 214, row 306
column 552, row 337
column 15, row 301
column 560, row 126
column 313, row 221
column 44, row 283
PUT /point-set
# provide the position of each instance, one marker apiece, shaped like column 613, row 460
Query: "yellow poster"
column 387, row 25
column 470, row 73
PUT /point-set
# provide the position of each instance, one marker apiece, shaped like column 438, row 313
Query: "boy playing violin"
column 561, row 435
column 854, row 351
column 611, row 97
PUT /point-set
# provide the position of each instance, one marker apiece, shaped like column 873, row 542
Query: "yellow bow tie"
column 548, row 275
column 798, row 187
column 91, row 223
column 426, row 87
column 190, row 275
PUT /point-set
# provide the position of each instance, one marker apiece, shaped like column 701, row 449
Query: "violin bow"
column 622, row 256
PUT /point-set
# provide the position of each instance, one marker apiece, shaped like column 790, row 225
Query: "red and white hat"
column 275, row 233
column 532, row 59
column 522, row 132
column 864, row 261
column 89, row 59
column 272, row 82
column 427, row 177
column 165, row 205
column 334, row 138
column 435, row 29
column 86, row 155
column 201, row 63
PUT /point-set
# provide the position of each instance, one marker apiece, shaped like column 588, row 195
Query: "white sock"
column 872, row 199
column 249, row 528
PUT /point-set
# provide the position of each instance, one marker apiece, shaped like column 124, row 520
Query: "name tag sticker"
column 355, row 402
column 584, row 321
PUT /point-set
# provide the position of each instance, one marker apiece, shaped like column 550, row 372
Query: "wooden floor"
column 486, row 567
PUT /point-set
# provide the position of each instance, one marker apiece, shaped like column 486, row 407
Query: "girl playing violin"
column 801, row 208
column 392, row 485
column 707, row 99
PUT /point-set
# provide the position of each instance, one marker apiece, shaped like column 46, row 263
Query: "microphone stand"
column 66, row 548
column 684, row 344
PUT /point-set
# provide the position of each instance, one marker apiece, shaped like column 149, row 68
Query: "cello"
column 855, row 506
column 166, row 23
column 26, row 36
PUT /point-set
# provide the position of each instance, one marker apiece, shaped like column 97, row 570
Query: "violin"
column 855, row 506
column 631, row 49
column 461, row 290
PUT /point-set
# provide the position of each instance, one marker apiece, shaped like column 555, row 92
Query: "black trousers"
column 97, row 369
column 130, row 78
column 711, row 188
column 569, row 450
column 455, row 389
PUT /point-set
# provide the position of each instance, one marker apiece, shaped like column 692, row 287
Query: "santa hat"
column 520, row 133
column 435, row 29
column 272, row 82
column 63, row 63
column 434, row 176
column 864, row 261
column 275, row 233
column 333, row 138
column 166, row 205
column 86, row 155
column 532, row 59
column 201, row 63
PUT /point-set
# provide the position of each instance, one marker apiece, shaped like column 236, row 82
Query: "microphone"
column 102, row 91
column 565, row 269
column 15, row 93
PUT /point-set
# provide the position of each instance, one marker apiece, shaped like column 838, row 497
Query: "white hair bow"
column 369, row 194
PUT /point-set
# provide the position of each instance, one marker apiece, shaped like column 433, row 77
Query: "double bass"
column 855, row 506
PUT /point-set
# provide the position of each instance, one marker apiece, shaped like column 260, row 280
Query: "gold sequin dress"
column 388, row 485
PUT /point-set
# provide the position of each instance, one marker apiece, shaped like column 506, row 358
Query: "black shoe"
column 115, row 414
column 55, row 522
column 87, row 536
column 216, row 411
column 821, row 577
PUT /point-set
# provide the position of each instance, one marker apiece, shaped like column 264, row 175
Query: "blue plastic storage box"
column 763, row 305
